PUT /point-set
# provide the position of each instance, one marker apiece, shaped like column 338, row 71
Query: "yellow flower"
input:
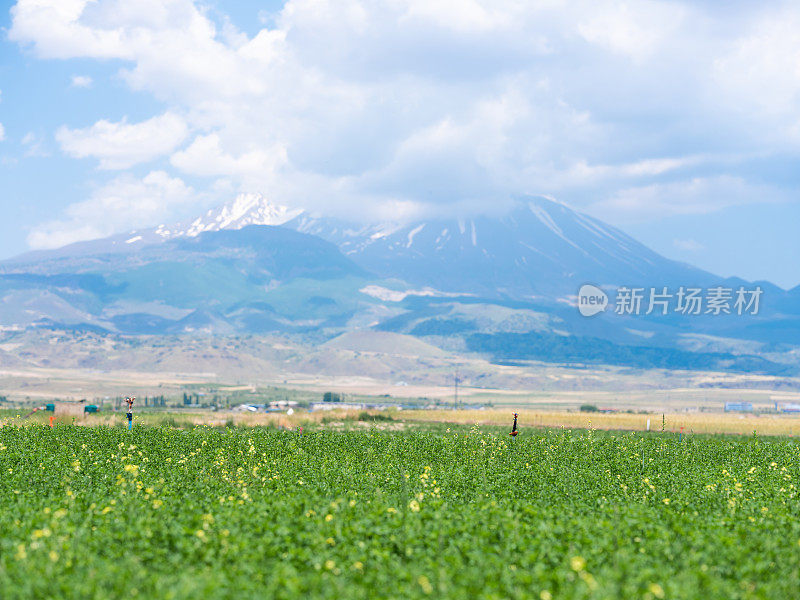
column 656, row 590
column 578, row 563
column 425, row 584
column 666, row 500
column 329, row 518
column 414, row 506
column 329, row 564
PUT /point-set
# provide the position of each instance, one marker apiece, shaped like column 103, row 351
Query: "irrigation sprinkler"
column 129, row 414
column 38, row 408
column 514, row 431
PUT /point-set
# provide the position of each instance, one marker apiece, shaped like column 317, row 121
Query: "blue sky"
column 678, row 122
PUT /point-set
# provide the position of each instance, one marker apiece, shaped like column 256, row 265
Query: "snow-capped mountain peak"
column 539, row 247
column 244, row 210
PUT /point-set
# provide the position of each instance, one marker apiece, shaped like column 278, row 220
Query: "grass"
column 443, row 511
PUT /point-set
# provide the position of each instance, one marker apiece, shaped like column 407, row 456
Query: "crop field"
column 440, row 512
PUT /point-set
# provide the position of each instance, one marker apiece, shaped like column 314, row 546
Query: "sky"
column 678, row 122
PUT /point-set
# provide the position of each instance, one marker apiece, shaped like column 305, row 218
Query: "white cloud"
column 688, row 245
column 359, row 106
column 35, row 145
column 2, row 132
column 460, row 15
column 81, row 81
column 634, row 29
column 758, row 77
column 205, row 156
column 694, row 196
column 122, row 204
column 122, row 145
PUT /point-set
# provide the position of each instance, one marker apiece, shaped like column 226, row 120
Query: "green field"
column 443, row 513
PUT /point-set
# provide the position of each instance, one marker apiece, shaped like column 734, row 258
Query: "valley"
column 366, row 367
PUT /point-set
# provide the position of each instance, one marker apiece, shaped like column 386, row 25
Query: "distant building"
column 249, row 408
column 738, row 407
column 337, row 406
column 282, row 404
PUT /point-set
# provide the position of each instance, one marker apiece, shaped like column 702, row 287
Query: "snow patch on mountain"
column 244, row 210
column 413, row 233
column 388, row 295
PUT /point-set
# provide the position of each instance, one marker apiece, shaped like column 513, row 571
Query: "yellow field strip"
column 783, row 424
column 770, row 424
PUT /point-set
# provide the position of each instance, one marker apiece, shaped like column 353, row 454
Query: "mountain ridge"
column 250, row 267
column 541, row 247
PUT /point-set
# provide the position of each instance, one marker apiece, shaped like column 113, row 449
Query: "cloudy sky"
column 678, row 122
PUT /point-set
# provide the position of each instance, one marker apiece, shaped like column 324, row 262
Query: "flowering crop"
column 258, row 513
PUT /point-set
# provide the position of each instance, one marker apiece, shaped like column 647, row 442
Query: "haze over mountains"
column 497, row 285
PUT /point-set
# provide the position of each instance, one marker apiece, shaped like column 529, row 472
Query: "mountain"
column 244, row 210
column 252, row 279
column 540, row 249
column 499, row 286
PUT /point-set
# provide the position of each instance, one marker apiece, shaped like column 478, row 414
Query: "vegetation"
column 382, row 417
column 158, row 512
column 331, row 397
column 552, row 347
